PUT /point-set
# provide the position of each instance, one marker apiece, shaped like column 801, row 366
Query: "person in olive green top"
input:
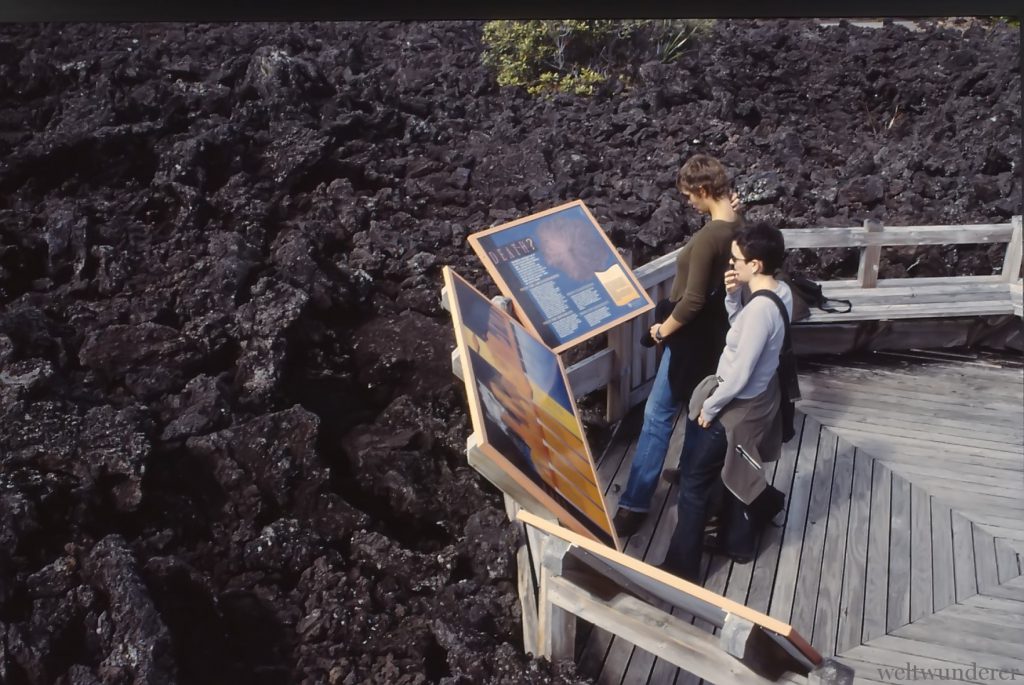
column 693, row 333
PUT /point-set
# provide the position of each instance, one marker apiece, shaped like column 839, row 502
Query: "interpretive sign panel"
column 523, row 412
column 565, row 278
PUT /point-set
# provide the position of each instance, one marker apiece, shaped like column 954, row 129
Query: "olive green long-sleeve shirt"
column 700, row 262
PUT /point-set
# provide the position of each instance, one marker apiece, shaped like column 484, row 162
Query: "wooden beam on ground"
column 672, row 639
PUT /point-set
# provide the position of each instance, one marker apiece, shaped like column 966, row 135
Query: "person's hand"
column 654, row 330
column 703, row 420
column 732, row 281
column 734, row 201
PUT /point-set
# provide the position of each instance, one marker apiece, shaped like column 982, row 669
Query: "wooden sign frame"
column 534, row 449
column 576, row 277
column 661, row 586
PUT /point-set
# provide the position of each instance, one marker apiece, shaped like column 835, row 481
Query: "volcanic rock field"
column 231, row 446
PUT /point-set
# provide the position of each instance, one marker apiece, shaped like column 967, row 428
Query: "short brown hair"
column 703, row 172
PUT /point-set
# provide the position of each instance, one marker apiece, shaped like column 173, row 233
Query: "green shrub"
column 574, row 56
column 546, row 56
column 671, row 36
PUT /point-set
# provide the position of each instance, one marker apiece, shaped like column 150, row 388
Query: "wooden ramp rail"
column 627, row 369
column 579, row 578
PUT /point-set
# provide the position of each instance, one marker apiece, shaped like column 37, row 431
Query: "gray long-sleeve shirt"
column 752, row 347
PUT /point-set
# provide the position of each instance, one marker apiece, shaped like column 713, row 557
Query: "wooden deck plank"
column 893, row 384
column 949, row 632
column 939, row 650
column 920, row 554
column 641, row 662
column 896, row 418
column 805, row 597
column 892, row 447
column 917, row 362
column 980, row 476
column 894, row 389
column 898, row 605
column 1007, row 562
column 604, row 654
column 876, row 589
column 943, row 581
column 888, row 659
column 865, row 425
column 781, row 606
column 985, row 559
column 900, row 529
column 996, row 606
column 966, row 577
column 1012, row 618
column 906, row 401
column 926, row 385
column 827, row 611
column 927, row 377
column 612, row 473
column 762, row 579
column 851, row 616
column 625, row 659
column 938, row 428
column 1008, row 590
column 988, row 510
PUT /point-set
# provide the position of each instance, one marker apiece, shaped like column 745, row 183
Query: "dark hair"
column 764, row 242
column 703, row 172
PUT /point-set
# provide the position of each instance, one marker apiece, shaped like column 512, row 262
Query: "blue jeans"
column 653, row 442
column 700, row 466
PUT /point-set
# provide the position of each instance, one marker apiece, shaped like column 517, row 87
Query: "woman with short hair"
column 734, row 424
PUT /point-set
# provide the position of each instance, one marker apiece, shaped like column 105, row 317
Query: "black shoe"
column 670, row 476
column 627, row 521
column 712, row 545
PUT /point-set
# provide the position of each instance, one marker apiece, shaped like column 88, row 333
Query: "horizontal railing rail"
column 627, row 369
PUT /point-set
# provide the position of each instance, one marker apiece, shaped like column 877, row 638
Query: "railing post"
column 1011, row 263
column 867, row 272
column 556, row 627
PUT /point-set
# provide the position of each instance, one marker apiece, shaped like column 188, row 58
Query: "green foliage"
column 579, row 82
column 546, row 56
column 672, row 36
column 574, row 56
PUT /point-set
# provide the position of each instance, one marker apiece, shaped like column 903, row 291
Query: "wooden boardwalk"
column 904, row 529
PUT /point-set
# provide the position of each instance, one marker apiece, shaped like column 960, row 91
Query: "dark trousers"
column 700, row 467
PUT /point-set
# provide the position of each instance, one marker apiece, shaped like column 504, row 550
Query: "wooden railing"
column 564, row 577
column 627, row 369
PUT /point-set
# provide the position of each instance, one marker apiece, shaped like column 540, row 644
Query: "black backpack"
column 789, row 384
column 809, row 293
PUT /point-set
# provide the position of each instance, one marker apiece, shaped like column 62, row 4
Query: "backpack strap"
column 786, row 345
column 787, row 360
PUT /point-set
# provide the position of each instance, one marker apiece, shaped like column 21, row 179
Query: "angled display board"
column 523, row 414
column 565, row 278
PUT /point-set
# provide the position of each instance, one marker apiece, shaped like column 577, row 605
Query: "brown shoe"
column 670, row 476
column 627, row 521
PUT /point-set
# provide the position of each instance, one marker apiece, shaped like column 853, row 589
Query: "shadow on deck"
column 904, row 528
